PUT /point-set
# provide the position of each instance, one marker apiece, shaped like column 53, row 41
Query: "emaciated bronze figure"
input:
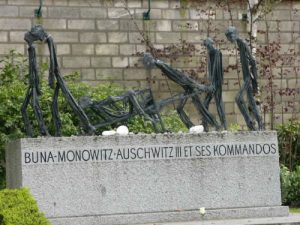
column 191, row 87
column 37, row 33
column 215, row 77
column 250, row 86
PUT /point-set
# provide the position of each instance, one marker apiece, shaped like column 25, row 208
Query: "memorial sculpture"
column 105, row 112
column 116, row 109
column 250, row 86
column 192, row 89
column 215, row 76
column 37, row 33
column 113, row 110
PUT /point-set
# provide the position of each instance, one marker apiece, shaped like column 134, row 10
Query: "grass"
column 294, row 210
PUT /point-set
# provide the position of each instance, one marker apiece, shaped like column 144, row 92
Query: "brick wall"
column 101, row 41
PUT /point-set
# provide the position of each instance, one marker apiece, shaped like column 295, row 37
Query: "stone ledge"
column 178, row 216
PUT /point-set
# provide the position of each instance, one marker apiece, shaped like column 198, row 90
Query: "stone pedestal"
column 149, row 178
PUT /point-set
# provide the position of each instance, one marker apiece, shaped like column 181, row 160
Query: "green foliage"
column 294, row 210
column 290, row 186
column 18, row 207
column 289, row 143
column 171, row 121
column 234, row 127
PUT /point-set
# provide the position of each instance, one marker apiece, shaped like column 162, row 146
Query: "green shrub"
column 17, row 207
column 290, row 186
column 289, row 143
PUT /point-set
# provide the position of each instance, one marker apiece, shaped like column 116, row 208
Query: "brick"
column 93, row 13
column 261, row 38
column 233, row 13
column 65, row 37
column 134, row 4
column 168, row 37
column 117, row 37
column 283, row 5
column 63, row 49
column 60, row 3
column 101, row 62
column 107, row 25
column 150, row 25
column 120, row 62
column 15, row 24
column 127, row 49
column 55, row 24
column 229, row 96
column 109, row 74
column 154, row 14
column 94, row 37
column 115, row 13
column 296, row 38
column 229, row 107
column 78, row 3
column 196, row 14
column 219, row 14
column 135, row 74
column 3, row 36
column 63, row 12
column 130, row 25
column 130, row 84
column 119, row 3
column 83, row 49
column 174, row 4
column 28, row 11
column 281, row 37
column 136, row 61
column 185, row 25
column 107, row 49
column 186, row 62
column 27, row 2
column 295, row 15
column 17, row 36
column 166, row 85
column 9, row 11
column 135, row 37
column 272, row 25
column 159, row 4
column 289, row 26
column 76, row 62
column 191, row 37
column 296, row 5
column 163, row 25
column 293, row 83
column 6, row 48
column 140, row 48
column 279, row 15
column 88, row 74
column 81, row 24
column 175, row 14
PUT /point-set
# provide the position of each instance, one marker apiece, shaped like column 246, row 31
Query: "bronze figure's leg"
column 207, row 101
column 38, row 113
column 220, row 108
column 204, row 112
column 242, row 105
column 25, row 116
column 182, row 114
column 254, row 108
column 55, row 112
column 74, row 105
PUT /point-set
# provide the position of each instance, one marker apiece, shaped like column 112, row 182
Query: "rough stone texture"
column 149, row 189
